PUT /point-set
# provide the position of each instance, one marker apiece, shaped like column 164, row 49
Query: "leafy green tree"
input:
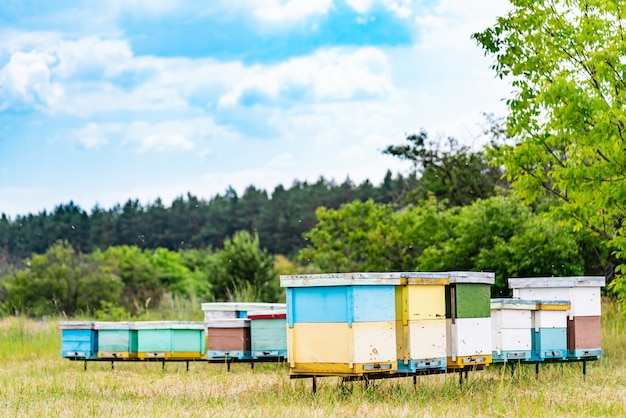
column 203, row 264
column 448, row 170
column 142, row 286
column 501, row 235
column 498, row 234
column 173, row 274
column 245, row 269
column 62, row 281
column 565, row 59
column 366, row 236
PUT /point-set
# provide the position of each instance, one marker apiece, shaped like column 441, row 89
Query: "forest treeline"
column 279, row 219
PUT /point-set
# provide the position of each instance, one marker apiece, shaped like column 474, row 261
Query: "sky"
column 110, row 100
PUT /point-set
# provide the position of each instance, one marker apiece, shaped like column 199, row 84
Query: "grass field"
column 36, row 381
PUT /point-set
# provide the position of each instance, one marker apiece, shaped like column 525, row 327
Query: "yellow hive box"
column 417, row 302
column 335, row 348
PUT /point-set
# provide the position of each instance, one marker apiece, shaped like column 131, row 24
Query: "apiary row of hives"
column 358, row 323
column 230, row 331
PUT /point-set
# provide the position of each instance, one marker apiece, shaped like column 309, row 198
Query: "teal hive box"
column 268, row 334
column 116, row 340
column 550, row 329
column 79, row 340
column 170, row 340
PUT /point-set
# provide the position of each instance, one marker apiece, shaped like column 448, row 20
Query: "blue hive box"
column 79, row 340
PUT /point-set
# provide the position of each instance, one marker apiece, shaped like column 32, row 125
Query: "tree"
column 498, row 234
column 137, row 272
column 501, row 235
column 368, row 236
column 566, row 115
column 62, row 281
column 448, row 170
column 245, row 270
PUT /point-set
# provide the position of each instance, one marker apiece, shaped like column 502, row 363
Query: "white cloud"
column 290, row 10
column 93, row 135
column 401, row 8
column 360, row 6
column 165, row 142
column 343, row 76
column 25, row 81
column 92, row 54
column 331, row 74
column 172, row 135
column 450, row 23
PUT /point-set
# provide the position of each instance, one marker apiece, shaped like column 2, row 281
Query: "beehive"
column 79, row 340
column 420, row 321
column 341, row 324
column 582, row 292
column 230, row 310
column 228, row 338
column 170, row 340
column 511, row 329
column 116, row 340
column 549, row 330
column 268, row 334
column 468, row 319
column 583, row 335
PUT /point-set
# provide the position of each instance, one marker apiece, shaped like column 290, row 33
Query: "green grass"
column 36, row 381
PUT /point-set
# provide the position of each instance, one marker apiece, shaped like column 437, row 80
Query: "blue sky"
column 110, row 100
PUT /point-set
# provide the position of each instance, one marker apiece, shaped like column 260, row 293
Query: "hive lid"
column 514, row 303
column 242, row 306
column 228, row 323
column 477, row 277
column 146, row 325
column 112, row 325
column 386, row 278
column 267, row 315
column 426, row 278
column 341, row 279
column 76, row 325
column 556, row 282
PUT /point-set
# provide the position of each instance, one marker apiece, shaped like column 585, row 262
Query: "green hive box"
column 116, row 340
column 170, row 340
column 471, row 300
column 268, row 333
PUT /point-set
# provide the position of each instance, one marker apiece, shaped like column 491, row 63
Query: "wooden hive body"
column 228, row 338
column 79, row 340
column 268, row 334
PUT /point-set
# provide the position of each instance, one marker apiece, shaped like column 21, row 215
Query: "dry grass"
column 35, row 381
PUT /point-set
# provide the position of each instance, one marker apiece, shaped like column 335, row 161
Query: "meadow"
column 36, row 382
